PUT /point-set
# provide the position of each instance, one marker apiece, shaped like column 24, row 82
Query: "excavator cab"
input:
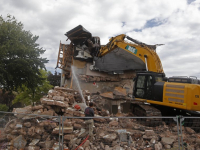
column 148, row 84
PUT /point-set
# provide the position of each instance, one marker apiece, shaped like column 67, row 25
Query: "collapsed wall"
column 96, row 81
column 91, row 79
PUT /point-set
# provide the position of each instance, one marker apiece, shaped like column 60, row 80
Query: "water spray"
column 77, row 83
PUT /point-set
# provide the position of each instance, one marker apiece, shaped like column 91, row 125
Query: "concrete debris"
column 34, row 142
column 110, row 137
column 113, row 123
column 117, row 93
column 120, row 91
column 43, row 132
column 158, row 146
column 189, row 130
column 167, row 140
column 149, row 132
column 108, row 95
column 25, row 110
column 19, row 142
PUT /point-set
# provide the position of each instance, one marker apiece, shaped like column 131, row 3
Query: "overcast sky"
column 175, row 23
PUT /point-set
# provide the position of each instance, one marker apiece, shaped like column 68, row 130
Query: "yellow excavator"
column 165, row 96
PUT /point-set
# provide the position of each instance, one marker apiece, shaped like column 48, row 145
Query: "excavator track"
column 144, row 110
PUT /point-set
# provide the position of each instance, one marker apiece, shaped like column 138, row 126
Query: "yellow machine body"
column 181, row 96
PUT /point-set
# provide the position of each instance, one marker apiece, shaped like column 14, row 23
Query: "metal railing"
column 33, row 131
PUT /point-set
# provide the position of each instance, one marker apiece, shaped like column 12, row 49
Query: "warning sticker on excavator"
column 131, row 49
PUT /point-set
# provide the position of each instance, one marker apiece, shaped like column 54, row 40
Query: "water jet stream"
column 77, row 83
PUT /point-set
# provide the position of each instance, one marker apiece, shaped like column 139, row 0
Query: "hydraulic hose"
column 82, row 142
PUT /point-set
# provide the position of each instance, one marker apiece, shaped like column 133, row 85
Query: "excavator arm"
column 117, row 56
column 141, row 50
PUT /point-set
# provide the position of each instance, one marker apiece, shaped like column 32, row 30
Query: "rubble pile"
column 42, row 132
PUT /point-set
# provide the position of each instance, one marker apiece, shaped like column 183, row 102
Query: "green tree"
column 27, row 96
column 20, row 58
column 54, row 79
column 3, row 107
column 6, row 99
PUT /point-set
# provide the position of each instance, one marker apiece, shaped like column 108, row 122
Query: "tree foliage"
column 54, row 79
column 27, row 96
column 20, row 59
column 3, row 107
column 6, row 99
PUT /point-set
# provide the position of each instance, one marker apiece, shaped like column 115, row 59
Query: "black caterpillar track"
column 143, row 110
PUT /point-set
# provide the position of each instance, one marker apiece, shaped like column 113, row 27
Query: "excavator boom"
column 140, row 50
column 118, row 55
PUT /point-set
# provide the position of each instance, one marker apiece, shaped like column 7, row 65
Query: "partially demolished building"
column 96, row 74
